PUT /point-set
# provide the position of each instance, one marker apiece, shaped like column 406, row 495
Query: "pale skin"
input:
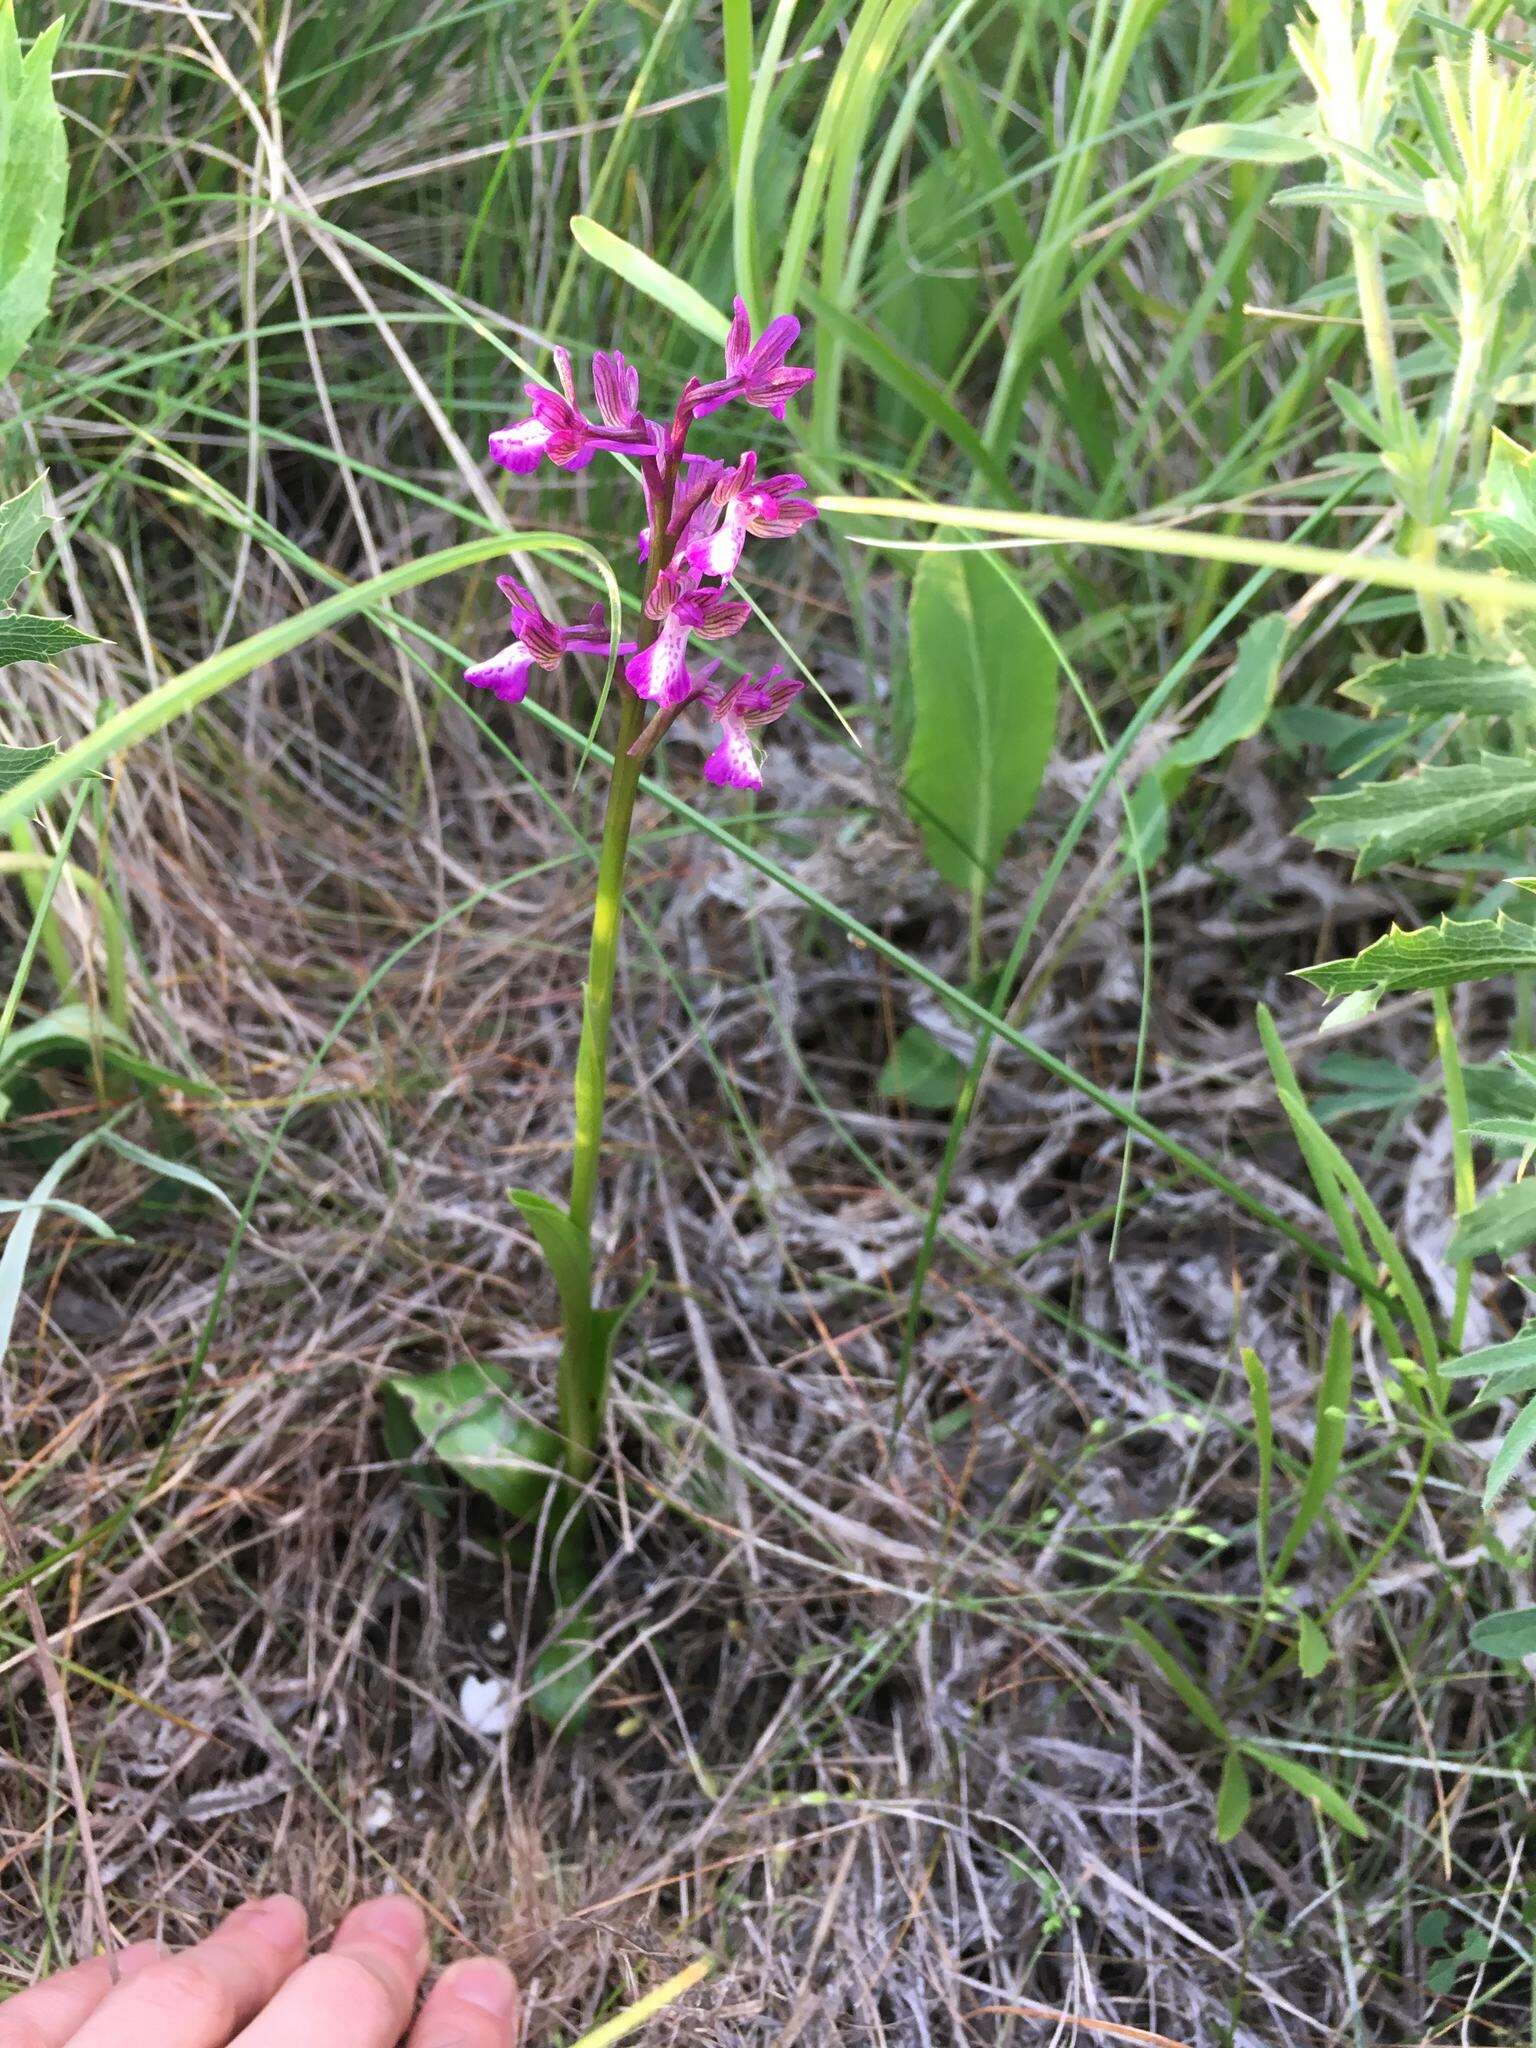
column 254, row 1984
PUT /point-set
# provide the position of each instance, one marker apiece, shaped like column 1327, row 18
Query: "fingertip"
column 278, row 1921
column 474, row 2004
column 393, row 1919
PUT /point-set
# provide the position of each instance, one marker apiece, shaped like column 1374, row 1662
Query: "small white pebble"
column 379, row 1813
column 487, row 1704
column 497, row 1632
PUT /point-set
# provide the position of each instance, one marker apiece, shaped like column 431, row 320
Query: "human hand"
column 249, row 1986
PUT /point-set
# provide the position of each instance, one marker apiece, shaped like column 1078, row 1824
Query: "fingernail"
column 393, row 1919
column 488, row 1986
column 279, row 1916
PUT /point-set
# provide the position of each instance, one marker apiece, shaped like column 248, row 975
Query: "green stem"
column 1464, row 1173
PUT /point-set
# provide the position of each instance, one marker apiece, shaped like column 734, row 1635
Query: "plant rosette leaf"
column 466, row 1418
column 921, row 1071
column 564, row 1675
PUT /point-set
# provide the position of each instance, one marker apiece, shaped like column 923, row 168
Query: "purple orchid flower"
column 755, row 371
column 538, row 642
column 739, row 710
column 557, row 427
column 768, row 509
column 659, row 673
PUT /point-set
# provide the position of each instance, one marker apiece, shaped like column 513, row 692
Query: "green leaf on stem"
column 1437, row 956
column 1311, row 1786
column 466, row 1417
column 564, row 1674
column 34, row 175
column 650, row 277
column 921, row 1071
column 1438, row 810
column 1233, row 1798
column 1503, row 1222
column 1511, row 1635
column 1445, row 685
column 984, row 686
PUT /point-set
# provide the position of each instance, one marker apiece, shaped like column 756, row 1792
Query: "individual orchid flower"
column 739, row 710
column 557, row 427
column 538, row 642
column 693, row 514
column 659, row 673
column 755, row 371
column 768, row 509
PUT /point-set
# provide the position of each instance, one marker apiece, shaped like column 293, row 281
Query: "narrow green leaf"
column 1493, row 1359
column 984, row 684
column 1438, row 810
column 1199, row 1704
column 1328, row 1431
column 1442, row 685
column 566, row 1249
column 1242, row 705
column 1510, row 1455
column 1511, row 1635
column 1233, row 1798
column 650, row 277
column 1437, row 956
column 1264, row 1440
column 169, row 1169
column 1307, row 1782
column 1247, row 142
column 34, row 173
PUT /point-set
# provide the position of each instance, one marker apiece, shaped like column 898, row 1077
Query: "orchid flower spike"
column 557, row 427
column 768, row 509
column 659, row 673
column 538, row 642
column 739, row 710
column 755, row 371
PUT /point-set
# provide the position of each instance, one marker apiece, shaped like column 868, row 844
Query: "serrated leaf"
column 34, row 172
column 1248, row 142
column 465, row 1416
column 24, row 638
column 1437, row 956
column 984, row 685
column 1511, row 1635
column 1313, row 1649
column 1441, row 685
column 1233, row 1798
column 1307, row 1782
column 23, row 523
column 1418, row 816
column 1502, row 1222
column 17, row 763
column 1511, row 1454
column 921, row 1071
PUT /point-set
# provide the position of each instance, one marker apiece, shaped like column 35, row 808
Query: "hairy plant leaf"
column 1278, row 141
column 34, row 172
column 1441, row 685
column 1511, row 1635
column 1502, row 1222
column 922, row 1071
column 1418, row 816
column 466, row 1417
column 1436, row 956
column 17, row 763
column 1494, row 1359
column 984, row 682
column 1233, row 1798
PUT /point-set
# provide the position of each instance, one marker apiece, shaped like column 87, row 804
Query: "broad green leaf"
column 34, row 171
column 1436, row 811
column 1307, row 1782
column 1494, row 1359
column 926, row 309
column 564, row 1674
column 984, row 680
column 1200, row 1705
column 922, row 1071
column 1438, row 956
column 1312, row 1647
column 17, row 763
column 1502, row 1222
column 650, row 277
column 23, row 638
column 1248, row 142
column 23, row 523
column 1442, row 685
column 1233, row 1798
column 1511, row 1635
column 1505, row 515
column 1511, row 1454
column 466, row 1417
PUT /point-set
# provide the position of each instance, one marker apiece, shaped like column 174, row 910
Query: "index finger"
column 51, row 2011
column 359, row 1994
